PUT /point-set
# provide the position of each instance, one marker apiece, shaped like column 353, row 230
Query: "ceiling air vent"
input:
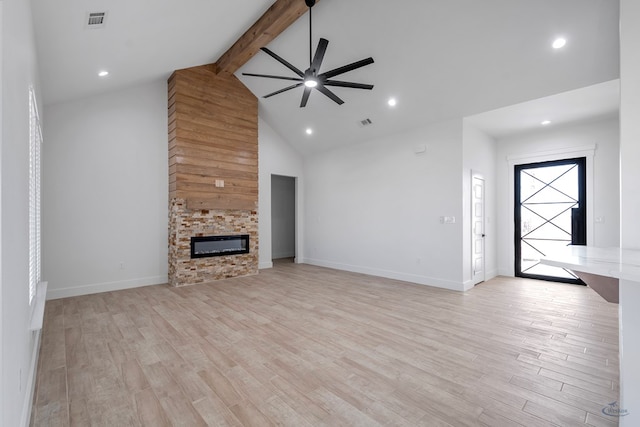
column 96, row 19
column 365, row 122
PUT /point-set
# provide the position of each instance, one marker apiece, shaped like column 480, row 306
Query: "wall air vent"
column 96, row 19
column 365, row 122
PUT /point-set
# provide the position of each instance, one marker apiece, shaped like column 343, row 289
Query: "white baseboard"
column 468, row 285
column 283, row 255
column 97, row 288
column 25, row 417
column 413, row 278
column 490, row 274
column 264, row 265
column 506, row 273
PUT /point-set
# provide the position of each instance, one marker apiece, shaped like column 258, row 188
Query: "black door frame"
column 579, row 216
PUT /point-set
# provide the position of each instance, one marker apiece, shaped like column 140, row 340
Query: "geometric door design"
column 550, row 213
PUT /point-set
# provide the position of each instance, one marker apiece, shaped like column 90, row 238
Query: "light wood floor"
column 304, row 346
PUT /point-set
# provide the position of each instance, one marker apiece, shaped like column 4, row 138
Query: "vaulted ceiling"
column 441, row 59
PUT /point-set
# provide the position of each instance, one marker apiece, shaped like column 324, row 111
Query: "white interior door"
column 477, row 229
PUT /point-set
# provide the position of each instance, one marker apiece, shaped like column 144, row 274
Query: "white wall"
column 630, row 206
column 277, row 157
column 555, row 143
column 105, row 192
column 479, row 156
column 630, row 129
column 375, row 208
column 19, row 345
column 1, row 241
column 1, row 192
column 283, row 217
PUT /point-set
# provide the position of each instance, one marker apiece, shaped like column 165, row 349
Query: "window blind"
column 35, row 155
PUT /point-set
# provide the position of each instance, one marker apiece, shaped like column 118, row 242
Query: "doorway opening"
column 550, row 212
column 283, row 219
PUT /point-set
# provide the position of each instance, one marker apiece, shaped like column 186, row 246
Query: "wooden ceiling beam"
column 274, row 21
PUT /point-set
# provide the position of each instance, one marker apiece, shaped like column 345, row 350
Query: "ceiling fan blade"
column 330, row 94
column 348, row 84
column 347, row 68
column 283, row 90
column 282, row 61
column 319, row 56
column 305, row 97
column 269, row 76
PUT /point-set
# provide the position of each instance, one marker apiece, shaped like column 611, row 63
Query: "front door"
column 550, row 212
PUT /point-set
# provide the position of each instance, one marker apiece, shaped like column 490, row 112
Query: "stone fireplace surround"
column 185, row 223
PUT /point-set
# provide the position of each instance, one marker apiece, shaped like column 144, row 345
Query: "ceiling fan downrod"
column 310, row 4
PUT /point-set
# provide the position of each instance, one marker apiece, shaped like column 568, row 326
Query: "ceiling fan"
column 311, row 78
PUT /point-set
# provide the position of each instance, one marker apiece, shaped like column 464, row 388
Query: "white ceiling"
column 441, row 59
column 143, row 40
column 599, row 101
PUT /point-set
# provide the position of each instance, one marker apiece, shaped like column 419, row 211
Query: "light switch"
column 220, row 183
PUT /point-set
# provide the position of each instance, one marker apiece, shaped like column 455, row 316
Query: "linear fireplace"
column 211, row 246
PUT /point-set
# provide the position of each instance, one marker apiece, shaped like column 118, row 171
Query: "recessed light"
column 392, row 102
column 545, row 122
column 309, row 131
column 559, row 43
column 103, row 73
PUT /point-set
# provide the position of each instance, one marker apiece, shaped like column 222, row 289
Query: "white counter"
column 609, row 262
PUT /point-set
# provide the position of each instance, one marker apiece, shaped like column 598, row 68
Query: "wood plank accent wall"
column 213, row 135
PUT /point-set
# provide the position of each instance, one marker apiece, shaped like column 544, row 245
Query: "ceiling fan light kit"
column 311, row 78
